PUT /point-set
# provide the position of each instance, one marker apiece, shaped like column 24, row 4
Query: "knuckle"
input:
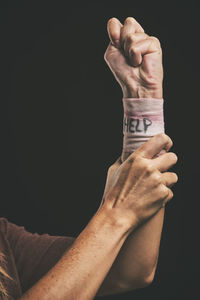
column 111, row 19
column 164, row 139
column 155, row 40
column 133, row 49
column 136, row 159
column 163, row 191
column 130, row 19
column 169, row 141
column 131, row 159
column 156, row 177
column 170, row 195
column 162, row 136
column 130, row 38
column 148, row 168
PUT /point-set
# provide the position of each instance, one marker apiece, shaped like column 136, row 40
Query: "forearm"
column 136, row 262
column 135, row 59
column 81, row 270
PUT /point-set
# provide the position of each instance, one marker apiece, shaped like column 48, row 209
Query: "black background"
column 62, row 122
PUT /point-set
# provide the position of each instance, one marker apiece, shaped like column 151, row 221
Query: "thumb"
column 114, row 29
column 114, row 166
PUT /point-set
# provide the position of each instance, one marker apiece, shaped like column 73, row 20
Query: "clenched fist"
column 135, row 58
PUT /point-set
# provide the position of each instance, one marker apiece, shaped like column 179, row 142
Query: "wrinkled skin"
column 135, row 59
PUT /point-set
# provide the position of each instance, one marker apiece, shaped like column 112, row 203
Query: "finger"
column 153, row 146
column 114, row 28
column 130, row 27
column 169, row 197
column 147, row 46
column 165, row 161
column 132, row 39
column 169, row 179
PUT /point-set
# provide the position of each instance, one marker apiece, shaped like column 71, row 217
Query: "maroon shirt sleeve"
column 34, row 254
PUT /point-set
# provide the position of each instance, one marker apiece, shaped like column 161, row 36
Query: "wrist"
column 142, row 92
column 143, row 118
column 115, row 221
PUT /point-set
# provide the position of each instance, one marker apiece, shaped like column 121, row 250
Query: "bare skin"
column 118, row 249
column 138, row 189
column 135, row 59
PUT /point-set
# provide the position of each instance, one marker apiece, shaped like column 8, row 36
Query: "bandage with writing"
column 143, row 118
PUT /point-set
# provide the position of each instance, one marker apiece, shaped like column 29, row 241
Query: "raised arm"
column 136, row 62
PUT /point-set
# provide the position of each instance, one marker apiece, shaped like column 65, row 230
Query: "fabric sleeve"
column 143, row 118
column 35, row 254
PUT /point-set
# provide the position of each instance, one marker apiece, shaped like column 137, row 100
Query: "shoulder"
column 11, row 231
column 3, row 225
column 6, row 227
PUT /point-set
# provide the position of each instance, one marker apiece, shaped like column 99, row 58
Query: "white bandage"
column 143, row 118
